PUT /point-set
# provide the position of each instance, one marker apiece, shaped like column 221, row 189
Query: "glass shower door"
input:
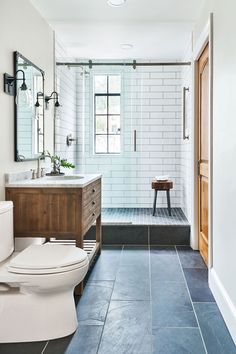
column 132, row 135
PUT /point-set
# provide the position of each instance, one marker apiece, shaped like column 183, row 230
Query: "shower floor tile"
column 143, row 216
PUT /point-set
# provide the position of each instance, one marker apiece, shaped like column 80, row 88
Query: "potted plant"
column 57, row 163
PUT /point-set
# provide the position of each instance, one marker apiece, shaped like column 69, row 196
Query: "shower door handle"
column 135, row 140
column 184, row 113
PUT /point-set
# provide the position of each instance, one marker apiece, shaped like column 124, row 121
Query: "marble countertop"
column 51, row 182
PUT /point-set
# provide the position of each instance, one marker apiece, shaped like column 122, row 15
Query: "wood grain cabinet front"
column 62, row 213
column 45, row 212
column 59, row 213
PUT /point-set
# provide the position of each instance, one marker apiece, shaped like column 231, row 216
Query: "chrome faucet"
column 38, row 168
column 40, row 171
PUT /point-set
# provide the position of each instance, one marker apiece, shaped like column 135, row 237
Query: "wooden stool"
column 162, row 186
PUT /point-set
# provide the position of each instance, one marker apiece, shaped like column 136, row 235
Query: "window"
column 107, row 114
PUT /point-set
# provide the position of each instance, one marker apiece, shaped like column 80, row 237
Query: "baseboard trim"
column 227, row 308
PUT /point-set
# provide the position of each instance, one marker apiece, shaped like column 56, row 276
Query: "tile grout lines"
column 191, row 301
column 44, row 348
column 143, row 216
column 97, row 352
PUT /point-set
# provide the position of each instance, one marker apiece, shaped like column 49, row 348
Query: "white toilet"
column 36, row 286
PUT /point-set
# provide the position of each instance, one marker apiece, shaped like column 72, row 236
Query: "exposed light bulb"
column 24, row 98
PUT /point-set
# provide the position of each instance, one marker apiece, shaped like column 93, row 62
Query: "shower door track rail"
column 134, row 64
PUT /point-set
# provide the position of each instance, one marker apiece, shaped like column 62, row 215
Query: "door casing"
column 205, row 37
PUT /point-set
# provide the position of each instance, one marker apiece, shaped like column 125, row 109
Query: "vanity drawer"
column 93, row 205
column 91, row 192
column 89, row 217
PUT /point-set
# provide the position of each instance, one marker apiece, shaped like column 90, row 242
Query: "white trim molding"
column 226, row 306
column 202, row 40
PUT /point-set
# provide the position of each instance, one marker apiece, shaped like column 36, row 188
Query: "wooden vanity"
column 61, row 213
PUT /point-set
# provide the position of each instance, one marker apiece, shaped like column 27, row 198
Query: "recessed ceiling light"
column 116, row 3
column 126, row 46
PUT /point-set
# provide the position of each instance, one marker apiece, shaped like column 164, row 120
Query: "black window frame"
column 107, row 134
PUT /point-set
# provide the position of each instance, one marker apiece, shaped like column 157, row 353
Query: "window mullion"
column 98, row 121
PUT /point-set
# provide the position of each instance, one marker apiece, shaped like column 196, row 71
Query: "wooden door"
column 203, row 153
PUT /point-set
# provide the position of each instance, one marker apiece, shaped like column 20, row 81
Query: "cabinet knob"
column 93, row 202
column 93, row 214
column 94, row 190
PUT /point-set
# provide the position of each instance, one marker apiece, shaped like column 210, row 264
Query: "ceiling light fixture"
column 116, row 3
column 126, row 46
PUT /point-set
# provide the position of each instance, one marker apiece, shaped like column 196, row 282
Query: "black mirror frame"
column 16, row 56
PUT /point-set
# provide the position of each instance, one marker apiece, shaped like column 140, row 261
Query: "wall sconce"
column 39, row 95
column 53, row 96
column 23, row 95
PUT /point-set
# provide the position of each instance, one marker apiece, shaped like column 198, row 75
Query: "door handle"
column 185, row 89
column 135, row 140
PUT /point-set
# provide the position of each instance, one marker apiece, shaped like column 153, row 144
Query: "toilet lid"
column 43, row 257
column 48, row 270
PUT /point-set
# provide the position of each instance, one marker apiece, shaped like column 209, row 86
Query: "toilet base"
column 29, row 317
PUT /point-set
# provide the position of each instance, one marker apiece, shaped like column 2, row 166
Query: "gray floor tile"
column 127, row 329
column 178, row 341
column 214, row 330
column 85, row 341
column 93, row 305
column 58, row 346
column 163, row 250
column 171, row 305
column 130, row 234
column 197, row 280
column 190, row 258
column 169, row 234
column 22, row 348
column 132, row 283
column 165, row 268
column 107, row 264
column 132, row 255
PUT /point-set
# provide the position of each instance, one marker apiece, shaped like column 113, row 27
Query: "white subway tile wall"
column 152, row 105
column 66, row 115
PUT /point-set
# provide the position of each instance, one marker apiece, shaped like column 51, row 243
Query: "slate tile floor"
column 141, row 300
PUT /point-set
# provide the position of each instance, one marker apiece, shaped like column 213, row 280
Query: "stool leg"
column 168, row 201
column 154, row 203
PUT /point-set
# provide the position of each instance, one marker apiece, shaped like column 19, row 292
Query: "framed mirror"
column 29, row 118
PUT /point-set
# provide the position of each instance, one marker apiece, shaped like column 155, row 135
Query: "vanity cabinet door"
column 46, row 212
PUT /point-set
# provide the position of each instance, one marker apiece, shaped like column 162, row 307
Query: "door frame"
column 205, row 37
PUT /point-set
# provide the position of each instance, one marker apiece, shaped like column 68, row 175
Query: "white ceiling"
column 158, row 29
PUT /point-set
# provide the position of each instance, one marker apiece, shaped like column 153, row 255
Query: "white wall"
column 151, row 104
column 65, row 119
column 222, row 275
column 24, row 30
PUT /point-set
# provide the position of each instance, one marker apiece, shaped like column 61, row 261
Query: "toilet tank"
column 6, row 230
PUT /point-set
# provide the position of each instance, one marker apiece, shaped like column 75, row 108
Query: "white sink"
column 61, row 178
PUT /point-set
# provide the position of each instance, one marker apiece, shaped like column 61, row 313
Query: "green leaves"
column 55, row 159
column 66, row 164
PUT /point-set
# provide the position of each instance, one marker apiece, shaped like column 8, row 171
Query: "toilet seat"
column 41, row 259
